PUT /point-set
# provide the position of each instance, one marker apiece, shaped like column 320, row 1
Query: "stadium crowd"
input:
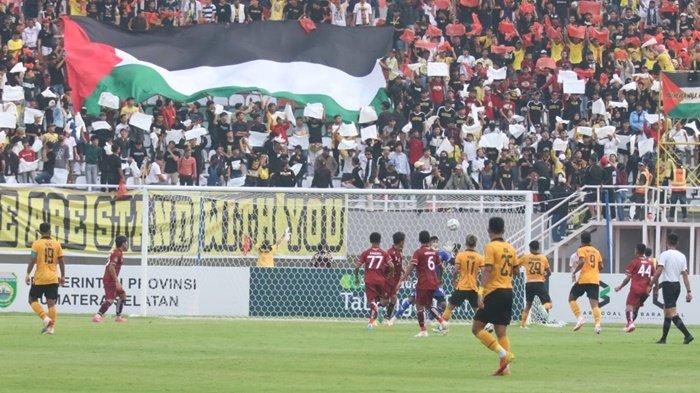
column 497, row 118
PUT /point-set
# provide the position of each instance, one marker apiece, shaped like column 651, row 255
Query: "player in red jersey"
column 640, row 272
column 110, row 281
column 394, row 277
column 425, row 261
column 375, row 261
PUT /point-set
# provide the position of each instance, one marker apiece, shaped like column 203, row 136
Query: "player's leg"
column 110, row 294
column 455, row 300
column 595, row 309
column 671, row 293
column 35, row 293
column 486, row 338
column 424, row 300
column 405, row 305
column 629, row 316
column 51, row 295
column 525, row 313
column 576, row 292
column 372, row 295
column 121, row 299
column 504, row 342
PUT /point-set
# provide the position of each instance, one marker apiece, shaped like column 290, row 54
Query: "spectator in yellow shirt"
column 129, row 108
column 15, row 44
column 664, row 59
column 266, row 251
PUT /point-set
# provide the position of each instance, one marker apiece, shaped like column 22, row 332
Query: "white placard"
column 195, row 133
column 598, row 107
column 407, row 127
column 559, row 145
column 438, row 69
column 445, row 146
column 31, row 113
column 651, row 119
column 561, row 121
column 629, row 86
column 3, row 137
column 47, row 93
column 649, row 42
column 257, row 139
column 37, row 145
column 497, row 74
column 574, row 87
column 108, row 100
column 296, row 168
column 414, row 67
column 493, row 140
column 348, row 130
column 302, row 141
column 18, row 68
column 327, row 142
column 141, row 120
column 367, row 115
column 604, row 132
column 655, row 86
column 314, row 110
column 100, row 125
column 566, row 75
column 624, row 141
column 289, row 113
column 8, row 120
column 346, row 144
column 12, row 93
column 369, row 132
column 25, row 166
column 587, row 131
column 472, row 129
column 616, row 78
column 645, row 146
column 173, row 136
column 429, row 122
column 516, row 130
column 618, row 104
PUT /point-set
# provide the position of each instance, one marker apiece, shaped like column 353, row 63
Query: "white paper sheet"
column 346, row 144
column 302, row 141
column 559, row 145
column 100, row 125
column 598, row 107
column 327, row 142
column 587, row 131
column 407, row 127
column 438, row 69
column 561, row 121
column 574, row 87
column 618, row 104
column 173, row 136
column 195, row 133
column 516, row 130
column 645, row 146
column 108, row 100
column 141, row 120
column 257, row 139
column 369, row 132
column 18, row 68
column 348, row 130
column 497, row 74
column 25, row 166
column 37, row 145
column 13, row 93
column 8, row 120
column 367, row 115
column 47, row 93
column 296, row 168
column 314, row 110
column 445, row 146
column 566, row 75
column 603, row 132
column 629, row 86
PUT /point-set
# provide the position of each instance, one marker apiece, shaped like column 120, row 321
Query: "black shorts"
column 50, row 291
column 458, row 297
column 671, row 292
column 591, row 290
column 538, row 289
column 498, row 307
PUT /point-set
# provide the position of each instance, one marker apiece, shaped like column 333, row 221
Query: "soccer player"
column 110, row 281
column 375, row 261
column 672, row 265
column 536, row 272
column 496, row 302
column 590, row 263
column 425, row 261
column 467, row 265
column 640, row 271
column 394, row 277
column 46, row 254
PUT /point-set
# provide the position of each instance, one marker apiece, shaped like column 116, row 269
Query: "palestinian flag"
column 680, row 94
column 336, row 66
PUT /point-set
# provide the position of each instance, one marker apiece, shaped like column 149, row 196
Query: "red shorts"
column 424, row 297
column 374, row 291
column 637, row 299
column 111, row 290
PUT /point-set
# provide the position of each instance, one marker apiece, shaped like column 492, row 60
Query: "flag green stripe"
column 142, row 83
column 685, row 111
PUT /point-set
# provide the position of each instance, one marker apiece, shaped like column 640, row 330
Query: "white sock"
column 47, row 320
column 502, row 353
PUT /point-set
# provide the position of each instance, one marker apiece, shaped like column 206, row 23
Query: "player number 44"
column 644, row 271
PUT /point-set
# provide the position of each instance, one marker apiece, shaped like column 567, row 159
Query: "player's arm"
column 485, row 277
column 686, row 282
column 408, row 272
column 579, row 266
column 283, row 237
column 357, row 270
column 62, row 265
column 30, row 267
column 623, row 283
column 655, row 280
column 455, row 272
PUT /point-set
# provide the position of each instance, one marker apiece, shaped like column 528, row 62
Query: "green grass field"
column 173, row 355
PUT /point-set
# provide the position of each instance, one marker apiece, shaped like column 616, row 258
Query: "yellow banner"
column 187, row 224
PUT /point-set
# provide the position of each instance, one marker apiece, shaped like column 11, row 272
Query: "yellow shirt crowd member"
column 536, row 267
column 277, row 10
column 597, row 51
column 518, row 57
column 468, row 264
column 592, row 265
column 46, row 252
column 267, row 258
column 556, row 50
column 575, row 52
column 665, row 62
column 502, row 256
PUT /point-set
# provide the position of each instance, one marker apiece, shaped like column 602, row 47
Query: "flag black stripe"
column 353, row 50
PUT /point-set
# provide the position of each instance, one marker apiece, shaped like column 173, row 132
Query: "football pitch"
column 229, row 355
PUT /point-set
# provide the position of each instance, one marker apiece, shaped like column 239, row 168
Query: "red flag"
column 408, row 36
column 634, row 41
column 527, row 8
column 538, row 30
column 469, row 3
column 576, row 31
column 527, row 40
column 455, row 30
column 546, row 62
column 442, row 4
column 122, row 193
column 620, row 54
column 423, row 44
column 406, row 71
column 589, row 7
column 507, row 28
column 247, row 245
column 476, row 25
column 668, row 8
column 445, row 47
column 603, row 79
column 501, row 49
column 433, row 31
column 307, row 24
column 602, row 36
column 587, row 73
column 554, row 34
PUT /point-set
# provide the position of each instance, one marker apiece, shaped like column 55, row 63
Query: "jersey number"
column 373, row 260
column 591, row 261
column 431, row 263
column 507, row 268
column 536, row 268
column 48, row 255
column 644, row 271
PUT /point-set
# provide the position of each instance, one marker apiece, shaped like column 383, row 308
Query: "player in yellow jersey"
column 496, row 302
column 46, row 254
column 536, row 272
column 590, row 263
column 467, row 265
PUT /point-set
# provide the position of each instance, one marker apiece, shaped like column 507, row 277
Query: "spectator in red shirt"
column 169, row 113
column 437, row 90
column 187, row 169
column 415, row 149
column 280, row 129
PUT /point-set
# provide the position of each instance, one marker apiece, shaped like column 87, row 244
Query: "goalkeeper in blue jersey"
column 439, row 294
